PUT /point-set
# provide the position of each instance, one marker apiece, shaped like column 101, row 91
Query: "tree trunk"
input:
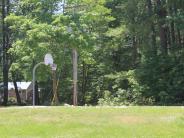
column 178, row 34
column 169, row 38
column 173, row 33
column 173, row 37
column 74, row 58
column 17, row 92
column 16, row 89
column 5, row 61
column 152, row 28
column 135, row 53
column 179, row 38
column 162, row 27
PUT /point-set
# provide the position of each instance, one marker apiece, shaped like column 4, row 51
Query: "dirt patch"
column 168, row 118
column 132, row 119
column 145, row 119
column 46, row 119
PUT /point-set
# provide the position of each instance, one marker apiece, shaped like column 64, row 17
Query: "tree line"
column 129, row 51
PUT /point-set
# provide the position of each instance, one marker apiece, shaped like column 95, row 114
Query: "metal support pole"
column 34, row 70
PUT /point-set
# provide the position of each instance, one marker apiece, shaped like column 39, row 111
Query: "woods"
column 128, row 52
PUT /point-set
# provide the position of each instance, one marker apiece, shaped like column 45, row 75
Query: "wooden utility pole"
column 74, row 58
column 75, row 79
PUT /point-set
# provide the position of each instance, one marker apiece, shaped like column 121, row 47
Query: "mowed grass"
column 92, row 122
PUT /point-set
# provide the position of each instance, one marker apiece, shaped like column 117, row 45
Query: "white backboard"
column 48, row 59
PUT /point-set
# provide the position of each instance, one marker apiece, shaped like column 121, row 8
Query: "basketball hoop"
column 48, row 60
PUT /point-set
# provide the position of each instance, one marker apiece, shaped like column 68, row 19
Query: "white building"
column 25, row 90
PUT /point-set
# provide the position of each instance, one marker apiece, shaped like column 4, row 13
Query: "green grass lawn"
column 92, row 122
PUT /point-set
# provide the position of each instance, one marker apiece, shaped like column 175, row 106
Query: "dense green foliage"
column 147, row 38
column 130, row 51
